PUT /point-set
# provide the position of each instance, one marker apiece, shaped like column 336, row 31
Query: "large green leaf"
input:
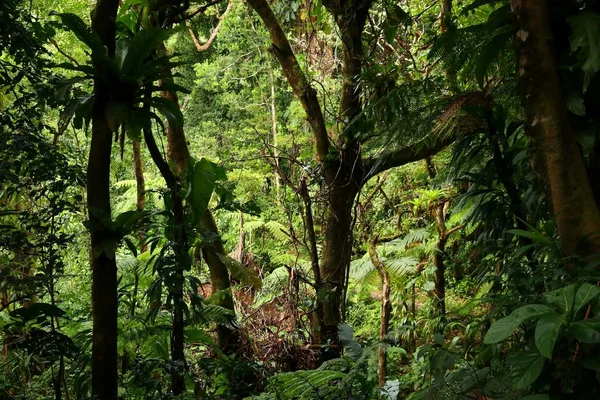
column 504, row 327
column 38, row 310
column 585, row 40
column 536, row 237
column 563, row 298
column 525, row 368
column 170, row 110
column 584, row 295
column 346, row 335
column 587, row 331
column 546, row 333
column 204, row 176
column 141, row 47
column 501, row 329
column 82, row 30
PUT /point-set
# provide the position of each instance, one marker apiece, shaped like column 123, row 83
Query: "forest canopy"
column 297, row 200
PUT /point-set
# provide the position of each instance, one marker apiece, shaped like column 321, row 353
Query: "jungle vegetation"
column 300, row 199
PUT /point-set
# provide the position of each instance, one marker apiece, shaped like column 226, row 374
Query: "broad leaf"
column 587, row 331
column 501, row 329
column 38, row 310
column 504, row 327
column 585, row 40
column 584, row 295
column 346, row 335
column 170, row 110
column 141, row 47
column 82, row 30
column 562, row 298
column 526, row 368
column 204, row 176
column 536, row 237
column 546, row 333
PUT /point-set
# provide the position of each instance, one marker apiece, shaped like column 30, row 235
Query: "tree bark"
column 104, row 267
column 274, row 136
column 386, row 310
column 547, row 123
column 178, row 154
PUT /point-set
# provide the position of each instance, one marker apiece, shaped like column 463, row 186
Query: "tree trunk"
column 274, row 134
column 180, row 248
column 178, row 154
column 317, row 324
column 439, row 290
column 140, row 189
column 104, row 267
column 336, row 252
column 547, row 123
column 386, row 311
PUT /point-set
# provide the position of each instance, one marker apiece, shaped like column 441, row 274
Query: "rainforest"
column 300, row 199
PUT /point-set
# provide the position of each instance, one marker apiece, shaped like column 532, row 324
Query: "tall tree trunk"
column 317, row 324
column 178, row 154
column 104, row 267
column 274, row 136
column 547, row 123
column 386, row 310
column 439, row 290
column 140, row 189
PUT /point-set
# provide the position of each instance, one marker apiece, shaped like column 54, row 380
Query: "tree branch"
column 213, row 35
column 298, row 81
column 411, row 153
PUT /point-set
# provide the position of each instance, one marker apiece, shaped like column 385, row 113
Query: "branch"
column 201, row 9
column 452, row 230
column 411, row 153
column 300, row 85
column 213, row 35
column 73, row 60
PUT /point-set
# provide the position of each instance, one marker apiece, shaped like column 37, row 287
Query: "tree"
column 342, row 166
column 104, row 267
column 548, row 125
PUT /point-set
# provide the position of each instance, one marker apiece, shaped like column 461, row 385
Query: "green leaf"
column 525, row 368
column 591, row 362
column 504, row 327
column 584, row 295
column 141, row 47
column 38, row 310
column 203, row 183
column 501, row 329
column 530, row 311
column 563, row 298
column 585, row 40
column 534, row 236
column 170, row 110
column 346, row 335
column 82, row 30
column 586, row 331
column 546, row 333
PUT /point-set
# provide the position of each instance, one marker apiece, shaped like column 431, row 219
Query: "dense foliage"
column 332, row 199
